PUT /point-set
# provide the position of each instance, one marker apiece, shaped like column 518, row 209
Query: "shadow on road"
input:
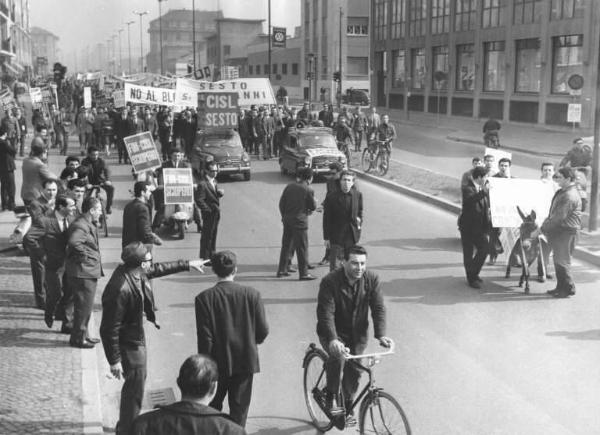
column 266, row 424
column 450, row 244
column 592, row 334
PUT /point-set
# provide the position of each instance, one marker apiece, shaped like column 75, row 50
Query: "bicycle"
column 376, row 156
column 344, row 148
column 96, row 192
column 379, row 412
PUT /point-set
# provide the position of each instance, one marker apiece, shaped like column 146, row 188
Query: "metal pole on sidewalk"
column 593, row 220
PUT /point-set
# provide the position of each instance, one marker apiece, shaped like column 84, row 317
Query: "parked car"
column 224, row 146
column 356, row 96
column 313, row 147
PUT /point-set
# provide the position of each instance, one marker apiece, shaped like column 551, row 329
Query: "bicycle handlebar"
column 390, row 351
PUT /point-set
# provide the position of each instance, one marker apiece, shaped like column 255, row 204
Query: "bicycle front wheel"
column 314, row 384
column 382, row 164
column 365, row 160
column 381, row 414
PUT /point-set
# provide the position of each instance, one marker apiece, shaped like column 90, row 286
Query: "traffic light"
column 337, row 76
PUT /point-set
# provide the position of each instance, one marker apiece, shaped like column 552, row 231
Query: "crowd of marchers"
column 557, row 234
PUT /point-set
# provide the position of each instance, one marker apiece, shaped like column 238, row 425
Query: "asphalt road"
column 493, row 361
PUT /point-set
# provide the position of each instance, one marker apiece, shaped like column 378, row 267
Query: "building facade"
column 519, row 60
column 44, row 50
column 15, row 40
column 177, row 38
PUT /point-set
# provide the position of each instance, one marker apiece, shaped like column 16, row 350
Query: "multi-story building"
column 44, row 50
column 15, row 41
column 228, row 45
column 518, row 60
column 177, row 38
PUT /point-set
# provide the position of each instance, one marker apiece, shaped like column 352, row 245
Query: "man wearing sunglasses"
column 126, row 298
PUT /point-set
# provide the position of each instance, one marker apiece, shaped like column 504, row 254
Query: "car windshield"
column 317, row 141
column 224, row 139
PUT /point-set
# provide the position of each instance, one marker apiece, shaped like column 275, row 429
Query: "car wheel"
column 247, row 176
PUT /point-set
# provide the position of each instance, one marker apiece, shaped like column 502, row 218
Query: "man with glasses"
column 126, row 298
column 207, row 198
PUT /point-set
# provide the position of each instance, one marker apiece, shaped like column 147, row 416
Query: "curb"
column 90, row 387
column 515, row 149
column 582, row 254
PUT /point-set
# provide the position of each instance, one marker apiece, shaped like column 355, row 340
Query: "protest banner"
column 149, row 95
column 508, row 193
column 498, row 154
column 7, row 101
column 118, row 98
column 87, row 97
column 250, row 91
column 142, row 152
column 178, row 185
column 218, row 110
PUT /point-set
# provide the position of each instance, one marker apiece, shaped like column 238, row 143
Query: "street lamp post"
column 194, row 39
column 120, row 53
column 129, row 23
column 309, row 75
column 160, row 35
column 141, row 14
column 108, row 55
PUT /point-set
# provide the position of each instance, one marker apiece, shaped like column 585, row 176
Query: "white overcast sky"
column 79, row 23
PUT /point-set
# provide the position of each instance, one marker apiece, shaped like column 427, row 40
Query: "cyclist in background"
column 342, row 132
column 345, row 296
column 99, row 174
column 385, row 133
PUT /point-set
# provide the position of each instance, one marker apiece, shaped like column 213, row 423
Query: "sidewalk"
column 46, row 386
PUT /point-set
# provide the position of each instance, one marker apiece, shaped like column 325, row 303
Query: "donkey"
column 531, row 245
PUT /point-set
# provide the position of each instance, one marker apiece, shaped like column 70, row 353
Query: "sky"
column 81, row 23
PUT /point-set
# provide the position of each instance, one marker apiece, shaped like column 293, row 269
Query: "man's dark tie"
column 65, row 224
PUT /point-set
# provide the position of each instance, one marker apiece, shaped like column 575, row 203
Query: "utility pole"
column 269, row 32
column 141, row 14
column 339, row 92
column 120, row 53
column 194, row 37
column 162, row 72
column 593, row 219
column 129, row 23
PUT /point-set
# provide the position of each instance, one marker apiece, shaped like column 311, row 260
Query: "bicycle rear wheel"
column 381, row 414
column 365, row 160
column 382, row 164
column 314, row 384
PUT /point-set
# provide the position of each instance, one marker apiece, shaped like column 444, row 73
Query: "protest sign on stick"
column 142, row 152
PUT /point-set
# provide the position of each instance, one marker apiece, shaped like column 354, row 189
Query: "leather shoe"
column 280, row 274
column 475, row 284
column 81, row 344
column 552, row 292
column 307, row 277
column 49, row 321
column 310, row 266
column 92, row 340
column 65, row 330
column 292, row 269
column 561, row 294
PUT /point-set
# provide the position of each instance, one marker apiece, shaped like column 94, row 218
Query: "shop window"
column 418, row 68
column 528, row 65
column 567, row 53
column 494, row 66
column 465, row 61
column 440, row 64
column 398, row 69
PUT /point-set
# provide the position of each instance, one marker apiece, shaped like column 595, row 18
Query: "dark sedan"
column 223, row 146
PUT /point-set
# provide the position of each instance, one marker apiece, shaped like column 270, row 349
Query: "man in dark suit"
column 136, row 218
column 7, row 171
column 475, row 224
column 342, row 219
column 48, row 241
column 297, row 202
column 208, row 200
column 99, row 174
column 83, row 268
column 230, row 323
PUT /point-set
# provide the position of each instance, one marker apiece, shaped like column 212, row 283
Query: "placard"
column 508, row 193
column 250, row 91
column 142, row 152
column 149, row 95
column 218, row 110
column 7, row 101
column 87, row 97
column 178, row 185
column 118, row 98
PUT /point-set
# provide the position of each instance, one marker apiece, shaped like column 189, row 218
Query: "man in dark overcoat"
column 136, row 218
column 342, row 219
column 7, row 171
column 230, row 324
column 207, row 198
column 475, row 225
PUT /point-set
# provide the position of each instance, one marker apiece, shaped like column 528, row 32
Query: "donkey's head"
column 529, row 228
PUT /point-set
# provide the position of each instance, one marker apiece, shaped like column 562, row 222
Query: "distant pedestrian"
column 359, row 126
column 208, row 199
column 137, row 224
column 326, row 116
column 579, row 156
column 342, row 219
column 192, row 415
column 373, row 121
column 297, row 202
column 35, row 171
column 126, row 299
column 230, row 324
column 7, row 171
column 475, row 224
column 561, row 227
column 83, row 268
column 22, row 122
column 475, row 162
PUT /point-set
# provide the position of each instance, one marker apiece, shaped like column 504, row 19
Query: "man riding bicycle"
column 99, row 174
column 345, row 296
column 385, row 133
column 343, row 133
